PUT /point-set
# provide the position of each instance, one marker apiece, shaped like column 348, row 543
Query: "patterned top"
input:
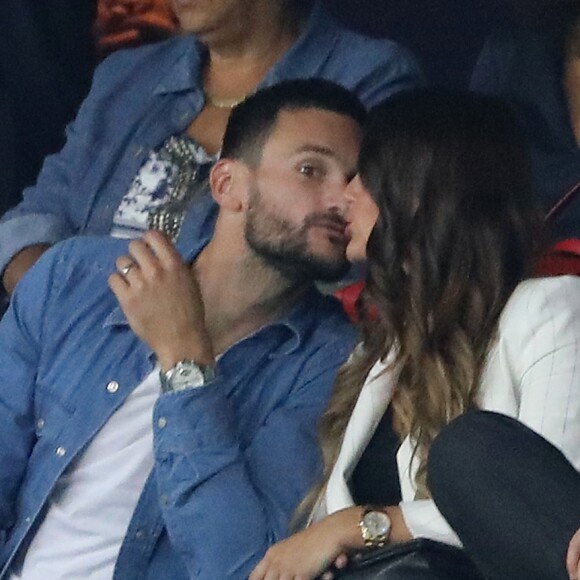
column 157, row 182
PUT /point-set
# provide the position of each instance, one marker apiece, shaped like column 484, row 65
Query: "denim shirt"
column 142, row 96
column 232, row 459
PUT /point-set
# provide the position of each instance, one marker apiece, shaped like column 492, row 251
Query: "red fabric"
column 562, row 258
column 124, row 23
column 348, row 295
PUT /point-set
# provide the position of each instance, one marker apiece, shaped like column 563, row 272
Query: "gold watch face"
column 376, row 525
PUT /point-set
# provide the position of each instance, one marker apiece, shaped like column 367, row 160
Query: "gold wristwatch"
column 375, row 526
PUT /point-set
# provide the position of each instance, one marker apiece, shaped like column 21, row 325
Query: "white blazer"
column 532, row 374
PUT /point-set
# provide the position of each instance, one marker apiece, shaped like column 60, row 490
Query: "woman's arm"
column 573, row 557
column 541, row 347
column 308, row 553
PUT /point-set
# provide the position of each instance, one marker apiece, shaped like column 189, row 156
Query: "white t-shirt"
column 92, row 503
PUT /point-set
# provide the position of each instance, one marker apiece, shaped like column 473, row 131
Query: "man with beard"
column 167, row 428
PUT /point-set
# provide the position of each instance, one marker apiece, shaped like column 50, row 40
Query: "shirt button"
column 140, row 535
column 28, row 520
column 40, row 424
column 162, row 422
column 163, row 499
column 60, row 451
column 113, row 387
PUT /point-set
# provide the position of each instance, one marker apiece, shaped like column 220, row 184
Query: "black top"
column 375, row 479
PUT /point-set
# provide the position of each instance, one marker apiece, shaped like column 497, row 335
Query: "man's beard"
column 284, row 246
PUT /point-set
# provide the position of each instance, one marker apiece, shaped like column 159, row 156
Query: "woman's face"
column 361, row 214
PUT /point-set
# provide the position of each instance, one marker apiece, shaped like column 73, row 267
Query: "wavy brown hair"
column 458, row 230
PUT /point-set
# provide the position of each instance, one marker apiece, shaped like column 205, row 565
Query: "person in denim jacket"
column 167, row 429
column 115, row 170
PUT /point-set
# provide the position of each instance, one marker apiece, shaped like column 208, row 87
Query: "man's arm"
column 225, row 503
column 20, row 351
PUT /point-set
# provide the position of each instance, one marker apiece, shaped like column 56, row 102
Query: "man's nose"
column 336, row 197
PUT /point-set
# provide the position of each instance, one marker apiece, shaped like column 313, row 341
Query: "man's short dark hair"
column 252, row 121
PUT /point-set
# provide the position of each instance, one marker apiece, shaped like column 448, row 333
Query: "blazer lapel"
column 373, row 400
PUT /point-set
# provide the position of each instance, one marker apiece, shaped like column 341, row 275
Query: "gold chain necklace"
column 223, row 103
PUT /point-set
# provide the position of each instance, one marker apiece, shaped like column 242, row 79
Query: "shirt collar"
column 296, row 323
column 303, row 59
column 293, row 328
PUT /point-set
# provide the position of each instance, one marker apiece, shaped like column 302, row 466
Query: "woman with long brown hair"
column 452, row 321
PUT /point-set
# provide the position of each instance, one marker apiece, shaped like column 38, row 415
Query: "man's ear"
column 228, row 179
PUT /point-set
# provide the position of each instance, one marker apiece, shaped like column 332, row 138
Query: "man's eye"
column 309, row 170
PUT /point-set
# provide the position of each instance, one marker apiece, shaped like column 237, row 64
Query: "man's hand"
column 573, row 557
column 161, row 299
column 20, row 264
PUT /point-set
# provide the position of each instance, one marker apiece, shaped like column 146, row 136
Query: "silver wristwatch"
column 186, row 374
column 375, row 527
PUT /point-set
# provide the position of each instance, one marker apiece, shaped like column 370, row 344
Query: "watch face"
column 377, row 524
column 186, row 375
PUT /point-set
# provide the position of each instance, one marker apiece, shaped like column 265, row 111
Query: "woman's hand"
column 160, row 297
column 573, row 557
column 309, row 553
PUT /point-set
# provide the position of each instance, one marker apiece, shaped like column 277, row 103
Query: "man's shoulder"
column 378, row 50
column 99, row 249
column 70, row 276
column 81, row 256
column 373, row 67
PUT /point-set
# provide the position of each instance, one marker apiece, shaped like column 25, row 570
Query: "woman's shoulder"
column 541, row 302
column 531, row 293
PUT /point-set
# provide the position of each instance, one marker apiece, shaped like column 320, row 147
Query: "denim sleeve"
column 52, row 209
column 224, row 505
column 20, row 340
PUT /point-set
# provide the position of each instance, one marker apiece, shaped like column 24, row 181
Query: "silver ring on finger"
column 126, row 269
